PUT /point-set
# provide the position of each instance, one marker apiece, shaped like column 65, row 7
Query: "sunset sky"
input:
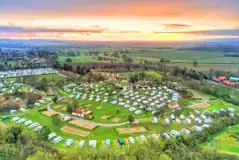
column 119, row 20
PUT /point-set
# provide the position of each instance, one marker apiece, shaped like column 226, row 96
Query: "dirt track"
column 75, row 131
column 131, row 130
column 83, row 124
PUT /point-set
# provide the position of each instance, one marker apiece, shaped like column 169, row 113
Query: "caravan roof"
column 182, row 116
column 175, row 133
column 186, row 131
column 51, row 135
column 205, row 126
column 81, row 143
column 167, row 121
column 172, row 117
column 92, row 143
column 142, row 137
column 131, row 140
column 107, row 142
column 166, row 135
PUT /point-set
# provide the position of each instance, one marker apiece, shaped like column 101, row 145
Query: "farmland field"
column 181, row 58
column 206, row 67
column 226, row 60
column 83, row 59
column 177, row 55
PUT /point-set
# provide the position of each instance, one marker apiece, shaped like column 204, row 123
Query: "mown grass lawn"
column 218, row 104
column 114, row 111
column 174, row 54
column 223, row 142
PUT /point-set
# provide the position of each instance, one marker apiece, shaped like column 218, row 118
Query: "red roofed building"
column 222, row 78
column 219, row 79
column 81, row 112
column 86, row 84
column 112, row 78
column 228, row 83
column 173, row 105
column 78, row 110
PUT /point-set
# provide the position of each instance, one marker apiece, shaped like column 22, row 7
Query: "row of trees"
column 231, row 55
column 216, row 73
column 17, row 59
column 228, row 94
column 70, row 53
column 16, row 144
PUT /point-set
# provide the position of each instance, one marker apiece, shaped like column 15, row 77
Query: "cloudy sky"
column 106, row 20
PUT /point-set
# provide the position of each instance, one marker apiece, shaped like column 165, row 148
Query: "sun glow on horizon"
column 119, row 20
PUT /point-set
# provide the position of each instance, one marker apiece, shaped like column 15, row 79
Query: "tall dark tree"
column 131, row 119
column 195, row 63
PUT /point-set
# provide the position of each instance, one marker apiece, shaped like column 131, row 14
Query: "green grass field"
column 85, row 59
column 82, row 59
column 107, row 109
column 177, row 55
column 226, row 60
column 206, row 67
column 223, row 142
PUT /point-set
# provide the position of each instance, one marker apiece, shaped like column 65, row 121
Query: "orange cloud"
column 15, row 29
column 217, row 32
column 173, row 26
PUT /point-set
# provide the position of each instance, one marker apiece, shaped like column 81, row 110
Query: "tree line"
column 231, row 55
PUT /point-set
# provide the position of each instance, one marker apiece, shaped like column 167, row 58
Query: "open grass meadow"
column 87, row 59
column 206, row 67
column 101, row 110
column 222, row 141
column 177, row 55
column 82, row 59
column 155, row 55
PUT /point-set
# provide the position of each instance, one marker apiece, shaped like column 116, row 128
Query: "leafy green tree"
column 13, row 134
column 55, row 99
column 68, row 60
column 71, row 107
column 24, row 138
column 43, row 133
column 56, row 119
column 7, row 152
column 131, row 119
